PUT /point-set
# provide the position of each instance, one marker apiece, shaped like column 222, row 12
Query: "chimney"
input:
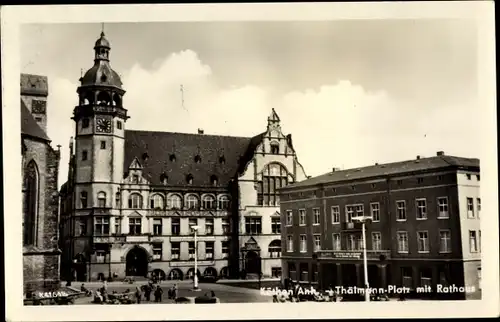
column 200, row 131
column 418, row 157
column 440, row 153
column 335, row 169
column 376, row 163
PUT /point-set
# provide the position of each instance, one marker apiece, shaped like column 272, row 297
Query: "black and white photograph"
column 292, row 156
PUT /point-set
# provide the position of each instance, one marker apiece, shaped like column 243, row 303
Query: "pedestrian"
column 175, row 291
column 158, row 294
column 147, row 292
column 138, row 294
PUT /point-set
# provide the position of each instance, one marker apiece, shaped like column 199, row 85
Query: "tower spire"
column 102, row 29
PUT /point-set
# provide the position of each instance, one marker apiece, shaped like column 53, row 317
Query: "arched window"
column 103, row 98
column 101, row 199
column 174, row 202
column 274, row 177
column 208, row 202
column 191, row 202
column 30, row 218
column 83, row 199
column 117, row 101
column 156, row 202
column 224, row 202
column 275, row 249
column 117, row 200
column 135, row 201
column 275, row 148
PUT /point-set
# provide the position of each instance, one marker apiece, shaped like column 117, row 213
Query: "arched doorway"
column 252, row 263
column 159, row 274
column 190, row 273
column 210, row 273
column 80, row 268
column 224, row 272
column 175, row 274
column 137, row 262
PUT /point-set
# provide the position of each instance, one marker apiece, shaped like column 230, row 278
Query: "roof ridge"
column 192, row 134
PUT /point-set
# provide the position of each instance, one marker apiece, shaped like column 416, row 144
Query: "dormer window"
column 164, row 179
column 172, row 158
column 189, row 179
column 145, row 156
column 103, row 77
column 222, row 159
column 197, row 159
column 135, row 178
column 275, row 148
column 213, row 180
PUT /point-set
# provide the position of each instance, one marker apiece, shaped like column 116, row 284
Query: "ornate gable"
column 135, row 165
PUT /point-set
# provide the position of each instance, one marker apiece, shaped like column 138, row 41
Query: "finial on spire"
column 102, row 29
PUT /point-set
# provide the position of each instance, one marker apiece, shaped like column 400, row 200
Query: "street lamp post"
column 363, row 220
column 195, row 278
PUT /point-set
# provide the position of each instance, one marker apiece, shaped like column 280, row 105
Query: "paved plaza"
column 225, row 293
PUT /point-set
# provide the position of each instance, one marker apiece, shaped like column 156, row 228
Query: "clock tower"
column 100, row 132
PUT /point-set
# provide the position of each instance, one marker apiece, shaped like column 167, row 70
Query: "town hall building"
column 132, row 197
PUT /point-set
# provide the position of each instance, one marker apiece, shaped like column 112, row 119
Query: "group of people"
column 156, row 290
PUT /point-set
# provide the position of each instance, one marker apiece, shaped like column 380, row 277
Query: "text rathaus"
column 132, row 196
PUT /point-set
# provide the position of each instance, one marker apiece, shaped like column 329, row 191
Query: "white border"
column 11, row 17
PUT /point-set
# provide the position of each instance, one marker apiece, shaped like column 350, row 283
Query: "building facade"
column 132, row 196
column 40, row 165
column 425, row 227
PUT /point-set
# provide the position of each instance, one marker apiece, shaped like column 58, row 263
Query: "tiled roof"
column 388, row 169
column 34, row 84
column 29, row 126
column 153, row 150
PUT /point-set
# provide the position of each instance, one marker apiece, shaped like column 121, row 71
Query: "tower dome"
column 101, row 74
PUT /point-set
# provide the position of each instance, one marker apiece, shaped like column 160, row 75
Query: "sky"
column 351, row 92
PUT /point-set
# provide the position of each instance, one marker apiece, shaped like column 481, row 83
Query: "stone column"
column 359, row 275
column 382, row 269
column 339, row 274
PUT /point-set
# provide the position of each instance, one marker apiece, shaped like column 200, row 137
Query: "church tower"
column 100, row 133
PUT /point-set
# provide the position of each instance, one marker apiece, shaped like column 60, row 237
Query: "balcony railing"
column 351, row 226
column 354, row 254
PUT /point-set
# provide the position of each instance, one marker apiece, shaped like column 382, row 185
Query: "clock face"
column 103, row 125
column 38, row 106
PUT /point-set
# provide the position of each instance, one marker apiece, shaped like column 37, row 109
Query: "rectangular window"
column 253, row 225
column 359, row 211
column 375, row 211
column 423, row 241
column 103, row 145
column 83, row 199
column 82, row 225
column 468, row 175
column 317, row 243
column 118, row 225
column 85, row 123
column 226, row 228
column 421, row 209
column 191, row 250
column 470, row 208
column 304, row 272
column 425, row 277
column 479, row 278
column 316, row 216
column 478, row 202
column 402, row 241
column 420, row 180
column 445, row 241
column 303, row 243
column 134, row 226
column 479, row 240
column 84, row 155
column 209, row 226
column 401, row 210
column 443, row 207
column 100, row 256
column 193, row 222
column 225, row 249
column 119, row 125
column 352, row 242
column 289, row 218
column 275, row 225
column 336, row 242
column 157, row 251
column 478, row 177
column 472, row 241
column 157, row 226
column 209, row 250
column 276, row 272
column 314, row 276
column 407, row 277
column 175, row 249
column 335, row 215
column 292, row 271
column 349, row 213
column 302, row 217
column 176, row 226
column 289, row 244
column 101, row 226
column 376, row 241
